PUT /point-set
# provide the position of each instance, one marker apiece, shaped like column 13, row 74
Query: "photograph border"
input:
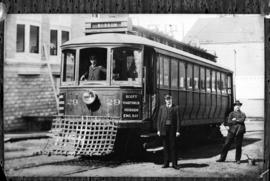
column 143, row 6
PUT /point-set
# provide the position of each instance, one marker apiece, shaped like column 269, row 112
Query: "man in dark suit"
column 168, row 125
column 236, row 131
column 95, row 72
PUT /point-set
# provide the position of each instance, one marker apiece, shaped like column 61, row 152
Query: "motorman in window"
column 130, row 70
column 236, row 132
column 95, row 72
column 168, row 126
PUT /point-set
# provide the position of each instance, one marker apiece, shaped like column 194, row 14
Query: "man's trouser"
column 169, row 142
column 238, row 144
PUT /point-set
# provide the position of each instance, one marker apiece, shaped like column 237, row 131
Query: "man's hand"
column 158, row 133
column 82, row 78
column 177, row 134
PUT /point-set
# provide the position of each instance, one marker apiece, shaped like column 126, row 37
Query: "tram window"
column 213, row 81
column 161, row 65
column 69, row 65
column 158, row 69
column 196, row 77
column 218, row 83
column 93, row 64
column 189, row 76
column 229, row 85
column 208, row 80
column 182, row 75
column 166, row 71
column 223, row 83
column 174, row 73
column 127, row 64
column 202, row 78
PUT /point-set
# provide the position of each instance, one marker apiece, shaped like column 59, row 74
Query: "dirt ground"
column 195, row 160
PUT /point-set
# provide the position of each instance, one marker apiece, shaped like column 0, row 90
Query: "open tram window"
column 174, row 73
column 229, row 84
column 69, row 65
column 93, row 64
column 161, row 65
column 223, row 83
column 158, row 69
column 182, row 75
column 202, row 78
column 166, row 71
column 213, row 81
column 196, row 77
column 127, row 64
column 218, row 83
column 208, row 80
column 189, row 77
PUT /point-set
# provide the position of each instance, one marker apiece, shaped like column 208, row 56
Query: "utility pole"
column 234, row 82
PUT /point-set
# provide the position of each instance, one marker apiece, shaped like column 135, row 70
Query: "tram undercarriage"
column 99, row 136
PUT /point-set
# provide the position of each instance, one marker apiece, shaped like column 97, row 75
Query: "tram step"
column 155, row 149
column 149, row 135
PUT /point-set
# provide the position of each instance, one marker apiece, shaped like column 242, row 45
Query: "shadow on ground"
column 186, row 150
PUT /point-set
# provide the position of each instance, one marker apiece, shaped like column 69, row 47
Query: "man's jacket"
column 163, row 115
column 94, row 73
column 236, row 123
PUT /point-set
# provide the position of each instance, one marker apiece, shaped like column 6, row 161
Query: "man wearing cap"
column 168, row 125
column 95, row 72
column 236, row 131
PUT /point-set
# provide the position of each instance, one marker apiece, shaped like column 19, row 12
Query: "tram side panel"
column 202, row 105
column 219, row 107
column 195, row 105
column 182, row 103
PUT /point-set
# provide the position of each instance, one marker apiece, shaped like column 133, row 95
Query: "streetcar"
column 94, row 113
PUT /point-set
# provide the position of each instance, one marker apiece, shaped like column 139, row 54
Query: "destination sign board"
column 131, row 106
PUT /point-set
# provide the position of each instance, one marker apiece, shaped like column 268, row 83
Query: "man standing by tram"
column 168, row 125
column 236, row 132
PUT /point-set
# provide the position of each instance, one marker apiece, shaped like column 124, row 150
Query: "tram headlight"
column 89, row 97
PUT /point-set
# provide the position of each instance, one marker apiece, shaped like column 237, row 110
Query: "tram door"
column 150, row 98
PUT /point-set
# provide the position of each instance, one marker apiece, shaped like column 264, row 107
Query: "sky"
column 175, row 25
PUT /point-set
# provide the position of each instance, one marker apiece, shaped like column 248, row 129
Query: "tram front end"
column 99, row 105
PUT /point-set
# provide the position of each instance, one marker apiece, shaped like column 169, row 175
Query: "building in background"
column 238, row 42
column 32, row 42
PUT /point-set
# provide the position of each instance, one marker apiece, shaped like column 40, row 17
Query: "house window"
column 53, row 43
column 65, row 36
column 20, row 41
column 34, row 39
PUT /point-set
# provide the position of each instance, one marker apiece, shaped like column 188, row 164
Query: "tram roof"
column 118, row 38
